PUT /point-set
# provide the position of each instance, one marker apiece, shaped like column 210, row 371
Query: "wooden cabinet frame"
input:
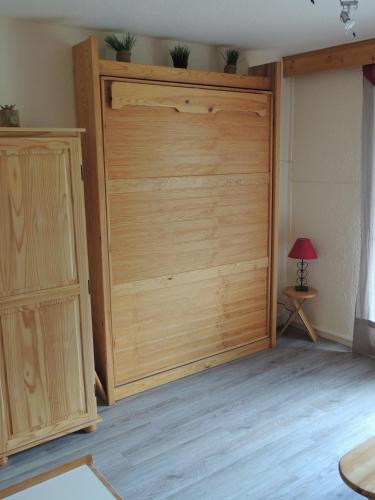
column 46, row 347
column 89, row 73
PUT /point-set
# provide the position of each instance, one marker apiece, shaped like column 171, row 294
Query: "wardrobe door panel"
column 188, row 186
column 228, row 134
column 39, row 342
column 46, row 352
column 36, row 210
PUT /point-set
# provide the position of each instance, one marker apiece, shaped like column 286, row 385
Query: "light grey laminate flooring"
column 269, row 426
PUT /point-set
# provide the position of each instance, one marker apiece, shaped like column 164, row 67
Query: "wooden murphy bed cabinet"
column 181, row 198
column 46, row 351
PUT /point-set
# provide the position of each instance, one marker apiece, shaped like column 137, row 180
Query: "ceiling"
column 288, row 25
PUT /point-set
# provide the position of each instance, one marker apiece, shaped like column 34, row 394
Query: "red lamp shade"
column 303, row 249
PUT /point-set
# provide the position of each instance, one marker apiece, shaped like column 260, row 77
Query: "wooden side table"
column 297, row 299
column 357, row 469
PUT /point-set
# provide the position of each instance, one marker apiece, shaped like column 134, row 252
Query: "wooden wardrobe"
column 181, row 201
column 46, row 348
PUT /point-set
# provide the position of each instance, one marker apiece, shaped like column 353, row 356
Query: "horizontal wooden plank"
column 131, row 367
column 208, row 315
column 147, row 383
column 176, row 357
column 188, row 277
column 10, row 303
column 218, row 192
column 190, row 213
column 348, row 55
column 127, row 252
column 140, row 242
column 186, row 182
column 217, row 325
column 40, row 132
column 167, row 237
column 228, row 292
column 187, row 100
column 156, row 326
column 166, row 74
column 225, row 143
column 137, row 205
column 138, row 267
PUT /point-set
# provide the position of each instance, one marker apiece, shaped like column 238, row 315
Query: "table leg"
column 305, row 320
column 291, row 316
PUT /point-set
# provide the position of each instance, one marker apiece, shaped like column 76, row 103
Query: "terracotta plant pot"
column 230, row 68
column 123, row 55
column 9, row 118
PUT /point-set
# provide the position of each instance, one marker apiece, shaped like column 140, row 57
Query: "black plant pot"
column 182, row 65
column 230, row 68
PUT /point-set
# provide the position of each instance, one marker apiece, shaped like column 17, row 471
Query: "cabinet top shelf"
column 40, row 132
column 112, row 68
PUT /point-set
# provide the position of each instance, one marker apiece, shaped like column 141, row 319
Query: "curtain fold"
column 364, row 324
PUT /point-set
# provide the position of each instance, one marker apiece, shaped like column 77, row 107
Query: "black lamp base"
column 303, row 288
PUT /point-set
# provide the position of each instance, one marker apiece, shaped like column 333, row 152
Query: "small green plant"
column 231, row 56
column 126, row 42
column 8, row 106
column 180, row 56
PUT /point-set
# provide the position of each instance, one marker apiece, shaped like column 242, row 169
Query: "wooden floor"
column 270, row 426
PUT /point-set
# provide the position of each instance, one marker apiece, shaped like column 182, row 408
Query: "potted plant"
column 180, row 56
column 231, row 57
column 9, row 116
column 122, row 45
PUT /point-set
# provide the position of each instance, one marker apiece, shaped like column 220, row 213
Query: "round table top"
column 290, row 291
column 357, row 468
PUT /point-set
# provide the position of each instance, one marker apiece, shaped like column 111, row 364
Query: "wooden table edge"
column 357, row 489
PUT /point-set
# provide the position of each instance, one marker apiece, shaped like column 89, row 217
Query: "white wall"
column 325, row 190
column 255, row 58
column 36, row 67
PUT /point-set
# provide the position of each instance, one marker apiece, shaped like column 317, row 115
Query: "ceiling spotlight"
column 345, row 17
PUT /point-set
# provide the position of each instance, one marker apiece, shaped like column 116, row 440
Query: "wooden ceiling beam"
column 348, row 55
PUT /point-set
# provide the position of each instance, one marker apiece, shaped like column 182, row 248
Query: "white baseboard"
column 334, row 337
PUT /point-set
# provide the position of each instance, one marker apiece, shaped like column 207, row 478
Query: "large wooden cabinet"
column 46, row 352
column 181, row 191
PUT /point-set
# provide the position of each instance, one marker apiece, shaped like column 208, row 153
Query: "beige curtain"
column 364, row 325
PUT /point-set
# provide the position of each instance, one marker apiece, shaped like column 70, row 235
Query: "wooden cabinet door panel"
column 46, row 355
column 188, row 185
column 42, row 357
column 36, row 217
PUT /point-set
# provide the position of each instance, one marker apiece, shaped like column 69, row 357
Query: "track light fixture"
column 345, row 14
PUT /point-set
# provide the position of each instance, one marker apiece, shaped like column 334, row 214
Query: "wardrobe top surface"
column 39, row 132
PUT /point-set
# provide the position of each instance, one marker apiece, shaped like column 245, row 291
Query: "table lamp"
column 302, row 250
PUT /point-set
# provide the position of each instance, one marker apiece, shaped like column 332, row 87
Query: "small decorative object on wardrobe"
column 123, row 46
column 231, row 57
column 180, row 56
column 9, row 116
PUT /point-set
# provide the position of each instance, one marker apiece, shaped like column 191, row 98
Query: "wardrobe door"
column 188, row 185
column 46, row 358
